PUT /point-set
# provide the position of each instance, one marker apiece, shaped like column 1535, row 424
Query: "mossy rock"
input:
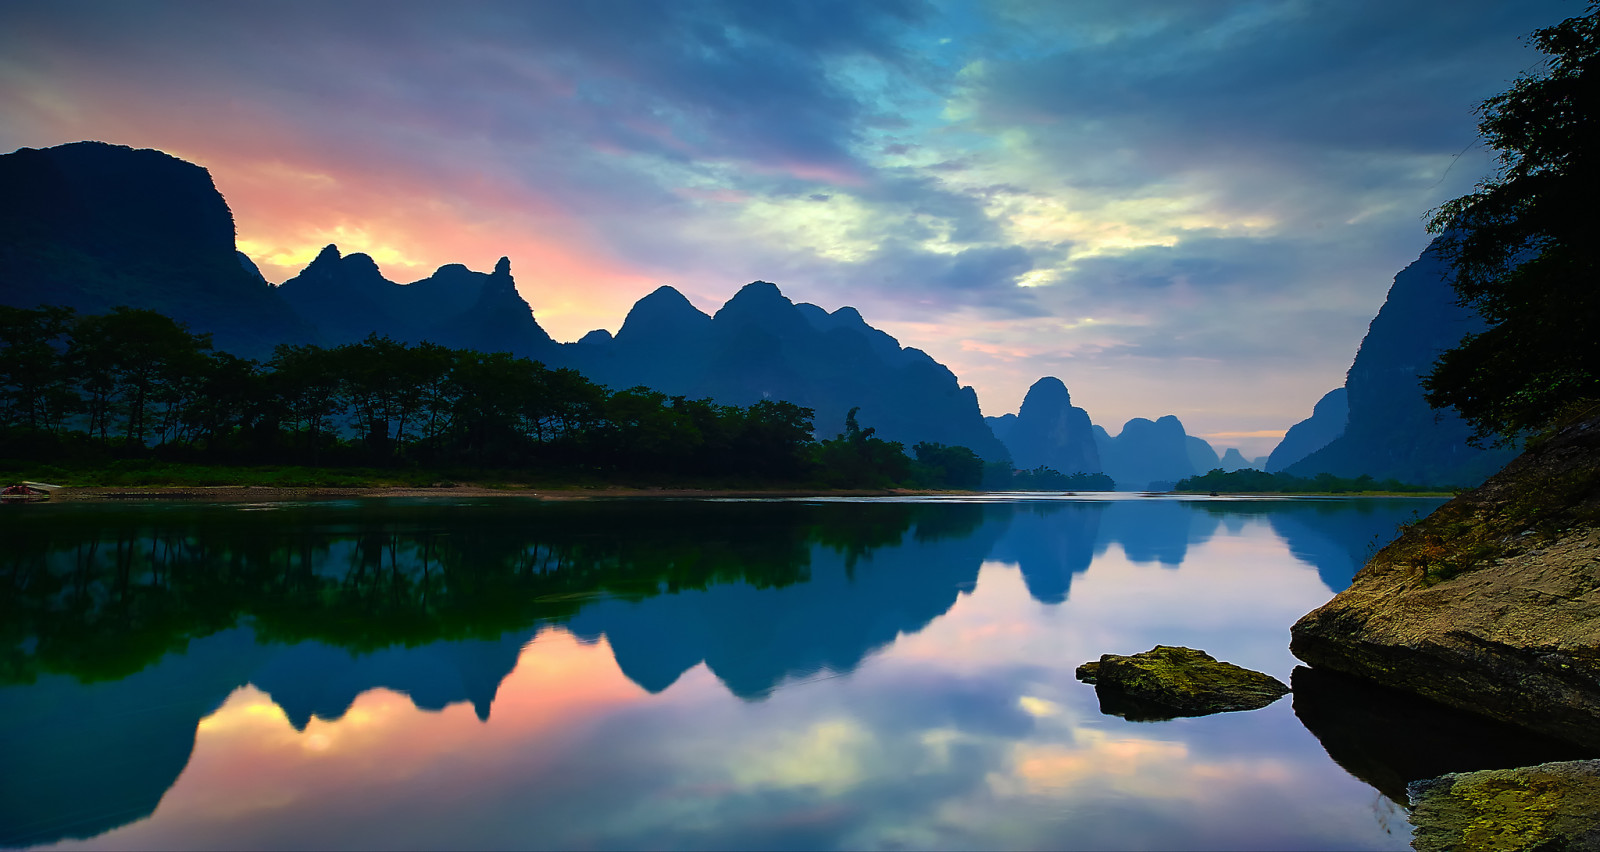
column 1167, row 681
column 1552, row 807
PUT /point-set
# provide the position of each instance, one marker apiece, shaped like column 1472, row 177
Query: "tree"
column 1523, row 248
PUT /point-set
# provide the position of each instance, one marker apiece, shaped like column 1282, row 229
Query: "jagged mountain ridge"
column 93, row 226
column 760, row 345
column 454, row 306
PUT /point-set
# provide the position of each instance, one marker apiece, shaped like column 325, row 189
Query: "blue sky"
column 1188, row 208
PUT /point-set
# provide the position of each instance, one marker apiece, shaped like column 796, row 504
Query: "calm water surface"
column 671, row 674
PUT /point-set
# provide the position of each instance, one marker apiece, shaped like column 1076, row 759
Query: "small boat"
column 27, row 492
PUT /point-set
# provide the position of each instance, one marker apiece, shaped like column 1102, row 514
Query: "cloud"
column 1147, row 197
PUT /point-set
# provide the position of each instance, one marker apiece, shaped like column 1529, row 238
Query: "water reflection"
column 124, row 627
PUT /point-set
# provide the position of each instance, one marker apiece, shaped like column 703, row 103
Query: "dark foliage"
column 1524, row 251
column 998, row 476
column 1259, row 482
column 134, row 384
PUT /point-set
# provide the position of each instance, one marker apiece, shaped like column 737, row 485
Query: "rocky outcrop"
column 1167, row 681
column 1553, row 806
column 1492, row 603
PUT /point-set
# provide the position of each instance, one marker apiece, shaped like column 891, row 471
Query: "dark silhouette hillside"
column 761, row 345
column 92, row 226
column 1392, row 432
column 348, row 299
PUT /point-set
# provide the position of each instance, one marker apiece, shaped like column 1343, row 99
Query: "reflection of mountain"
column 1156, row 530
column 435, row 599
column 1338, row 538
column 313, row 679
column 1050, row 542
column 753, row 638
column 83, row 758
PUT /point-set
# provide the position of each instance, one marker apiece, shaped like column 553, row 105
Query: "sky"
column 1189, row 207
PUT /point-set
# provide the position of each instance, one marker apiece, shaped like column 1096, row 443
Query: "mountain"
column 1391, row 431
column 760, row 345
column 1327, row 422
column 1150, row 454
column 1048, row 431
column 93, row 226
column 1233, row 460
column 1201, row 456
column 348, row 298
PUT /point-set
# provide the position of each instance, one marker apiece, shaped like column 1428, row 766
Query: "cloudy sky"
column 1190, row 207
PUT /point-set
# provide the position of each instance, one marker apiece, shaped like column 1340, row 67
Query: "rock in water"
column 1553, row 806
column 1183, row 681
column 1492, row 603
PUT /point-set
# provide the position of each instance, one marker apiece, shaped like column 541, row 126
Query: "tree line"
column 136, row 384
column 1249, row 481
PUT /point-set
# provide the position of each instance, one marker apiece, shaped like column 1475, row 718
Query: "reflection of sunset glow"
column 1148, row 768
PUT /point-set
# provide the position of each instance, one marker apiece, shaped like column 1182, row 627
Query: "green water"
column 806, row 674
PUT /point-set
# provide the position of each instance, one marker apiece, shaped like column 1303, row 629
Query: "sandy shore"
column 267, row 494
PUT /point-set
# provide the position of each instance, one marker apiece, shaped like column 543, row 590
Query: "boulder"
column 1549, row 807
column 1166, row 681
column 1492, row 603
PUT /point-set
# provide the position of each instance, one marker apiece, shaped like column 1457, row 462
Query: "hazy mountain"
column 1391, row 431
column 94, row 226
column 1233, row 460
column 1150, row 454
column 1327, row 422
column 1049, row 431
column 348, row 298
column 760, row 345
column 1201, row 455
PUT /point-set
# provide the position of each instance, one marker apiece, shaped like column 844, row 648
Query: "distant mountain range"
column 93, row 226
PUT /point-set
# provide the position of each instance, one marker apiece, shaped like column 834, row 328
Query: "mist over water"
column 676, row 674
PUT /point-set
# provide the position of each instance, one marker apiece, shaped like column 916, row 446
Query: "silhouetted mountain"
column 348, row 298
column 1048, row 431
column 1391, row 432
column 1327, row 422
column 93, row 226
column 761, row 346
column 1149, row 455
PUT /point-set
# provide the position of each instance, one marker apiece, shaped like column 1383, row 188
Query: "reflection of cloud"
column 1127, row 765
column 831, row 755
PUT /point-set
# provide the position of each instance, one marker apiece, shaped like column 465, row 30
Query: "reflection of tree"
column 99, row 592
column 1335, row 536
